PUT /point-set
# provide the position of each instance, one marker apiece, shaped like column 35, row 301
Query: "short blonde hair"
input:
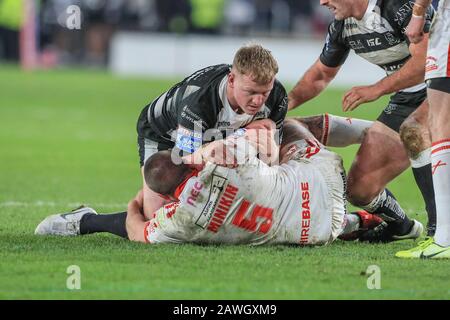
column 255, row 61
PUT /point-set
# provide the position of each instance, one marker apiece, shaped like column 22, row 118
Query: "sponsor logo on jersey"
column 390, row 108
column 216, row 188
column 391, row 39
column 373, row 42
column 170, row 209
column 404, row 12
column 351, row 25
column 431, row 64
column 195, row 191
column 188, row 140
column 306, row 213
column 223, row 207
column 356, row 44
column 223, row 124
column 193, row 118
column 261, row 114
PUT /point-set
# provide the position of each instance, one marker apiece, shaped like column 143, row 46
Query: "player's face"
column 342, row 9
column 246, row 94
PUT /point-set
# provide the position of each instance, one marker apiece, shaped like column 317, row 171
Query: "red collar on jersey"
column 181, row 186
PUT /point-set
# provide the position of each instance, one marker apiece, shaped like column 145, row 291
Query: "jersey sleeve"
column 278, row 113
column 335, row 51
column 160, row 228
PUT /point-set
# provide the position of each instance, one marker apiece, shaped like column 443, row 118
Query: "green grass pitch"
column 68, row 137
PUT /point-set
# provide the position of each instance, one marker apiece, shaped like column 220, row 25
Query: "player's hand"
column 414, row 31
column 264, row 143
column 266, row 124
column 140, row 198
column 135, row 222
column 221, row 153
column 359, row 95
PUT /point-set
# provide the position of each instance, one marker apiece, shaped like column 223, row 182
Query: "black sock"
column 113, row 223
column 387, row 207
column 424, row 180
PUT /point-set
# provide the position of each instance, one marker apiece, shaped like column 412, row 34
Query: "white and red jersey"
column 438, row 55
column 299, row 202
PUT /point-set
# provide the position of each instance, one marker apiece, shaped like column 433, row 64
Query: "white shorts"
column 438, row 56
column 330, row 165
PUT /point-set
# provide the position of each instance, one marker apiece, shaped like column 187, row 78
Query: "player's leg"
column 358, row 222
column 438, row 76
column 440, row 156
column 379, row 160
column 335, row 131
column 415, row 135
column 115, row 223
column 439, row 116
column 339, row 131
column 83, row 220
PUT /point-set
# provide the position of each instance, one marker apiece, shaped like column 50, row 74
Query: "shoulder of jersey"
column 209, row 74
column 335, row 28
column 278, row 87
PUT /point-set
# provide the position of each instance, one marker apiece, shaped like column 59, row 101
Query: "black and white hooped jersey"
column 379, row 37
column 196, row 111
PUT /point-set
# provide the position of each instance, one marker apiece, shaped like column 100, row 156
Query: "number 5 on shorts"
column 260, row 218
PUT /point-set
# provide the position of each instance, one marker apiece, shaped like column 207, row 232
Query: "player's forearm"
column 420, row 3
column 411, row 74
column 309, row 86
column 304, row 91
column 135, row 222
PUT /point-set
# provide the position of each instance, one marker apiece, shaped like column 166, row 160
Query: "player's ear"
column 231, row 78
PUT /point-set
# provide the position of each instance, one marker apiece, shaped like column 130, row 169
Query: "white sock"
column 342, row 132
column 422, row 159
column 351, row 223
column 440, row 161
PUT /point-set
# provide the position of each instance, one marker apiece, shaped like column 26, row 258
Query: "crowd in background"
column 100, row 19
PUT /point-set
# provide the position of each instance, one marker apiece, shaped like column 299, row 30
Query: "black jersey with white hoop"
column 379, row 37
column 197, row 110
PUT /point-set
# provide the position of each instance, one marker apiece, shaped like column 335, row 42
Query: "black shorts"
column 150, row 141
column 149, row 147
column 400, row 106
column 441, row 84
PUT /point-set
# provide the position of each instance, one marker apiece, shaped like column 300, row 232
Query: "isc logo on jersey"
column 188, row 140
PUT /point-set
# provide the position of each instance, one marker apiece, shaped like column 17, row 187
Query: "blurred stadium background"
column 102, row 19
column 167, row 37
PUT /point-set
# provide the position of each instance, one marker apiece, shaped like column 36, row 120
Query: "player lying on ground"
column 300, row 201
column 207, row 105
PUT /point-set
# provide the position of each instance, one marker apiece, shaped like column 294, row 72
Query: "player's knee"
column 314, row 124
column 359, row 197
column 411, row 134
column 361, row 192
